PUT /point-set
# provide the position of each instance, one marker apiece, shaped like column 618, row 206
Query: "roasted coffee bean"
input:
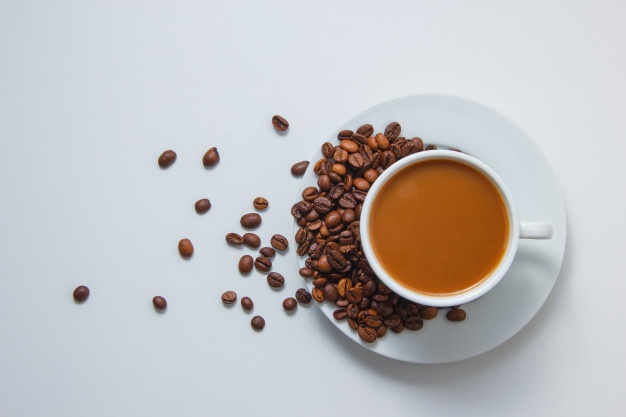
column 166, row 159
column 257, row 323
column 359, row 195
column 330, row 292
column 304, row 207
column 338, row 169
column 417, row 145
column 303, row 248
column 381, row 331
column 361, row 184
column 328, row 150
column 349, row 145
column 340, row 155
column 275, row 280
column 370, row 175
column 413, row 323
column 342, row 303
column 398, row 328
column 309, row 194
column 392, row 320
column 229, row 297
column 290, row 304
column 392, row 131
column 185, row 248
column 322, row 166
column 318, row 294
column 348, row 216
column 373, row 321
column 247, row 303
column 202, row 206
column 280, row 123
column 279, row 242
column 159, row 302
column 267, row 252
column 387, row 158
column 356, row 161
column 303, row 296
column 371, row 143
column 336, row 191
column 251, row 240
column 340, row 314
column 366, row 130
column 305, row 272
column 347, row 201
column 367, row 334
column 263, row 264
column 246, row 263
column 260, row 203
column 322, row 205
column 301, row 235
column 332, row 219
column 345, row 134
column 234, row 239
column 456, row 314
column 211, row 157
column 429, row 313
column 81, row 293
column 384, row 309
column 312, row 215
column 299, row 168
column 354, row 295
column 250, row 220
column 295, row 212
column 359, row 138
column 382, row 142
column 324, row 182
column 430, row 147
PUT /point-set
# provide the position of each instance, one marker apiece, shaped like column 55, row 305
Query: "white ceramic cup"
column 516, row 230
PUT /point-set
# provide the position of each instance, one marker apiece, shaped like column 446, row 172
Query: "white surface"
column 92, row 92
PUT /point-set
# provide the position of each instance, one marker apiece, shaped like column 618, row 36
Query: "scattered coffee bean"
column 159, row 302
column 305, row 272
column 229, row 297
column 211, row 157
column 251, row 240
column 280, row 123
column 81, row 293
column 260, row 203
column 429, row 313
column 246, row 303
column 250, row 220
column 456, row 314
column 246, row 263
column 257, row 322
column 234, row 239
column 340, row 314
column 185, row 248
column 167, row 158
column 392, row 131
column 267, row 252
column 299, row 168
column 279, row 242
column 367, row 334
column 290, row 303
column 263, row 264
column 303, row 296
column 203, row 205
column 275, row 280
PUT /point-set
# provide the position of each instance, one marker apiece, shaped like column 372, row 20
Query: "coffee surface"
column 438, row 227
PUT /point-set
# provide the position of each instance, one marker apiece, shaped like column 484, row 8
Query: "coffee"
column 439, row 227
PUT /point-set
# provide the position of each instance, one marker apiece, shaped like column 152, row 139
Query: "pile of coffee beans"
column 329, row 235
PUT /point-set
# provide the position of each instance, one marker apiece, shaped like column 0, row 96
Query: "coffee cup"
column 441, row 228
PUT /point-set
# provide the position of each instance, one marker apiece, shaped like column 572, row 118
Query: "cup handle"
column 536, row 230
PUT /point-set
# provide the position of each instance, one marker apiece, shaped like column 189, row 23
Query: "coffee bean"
column 306, row 272
column 257, row 323
column 211, row 158
column 322, row 205
column 229, row 297
column 251, row 240
column 260, row 203
column 247, row 304
column 340, row 314
column 359, row 138
column 429, row 313
column 349, row 145
column 263, row 264
column 345, row 134
column 246, row 263
column 234, row 239
column 361, row 184
column 81, row 293
column 366, row 130
column 309, row 194
column 430, row 147
column 356, row 161
column 382, row 142
column 330, row 292
column 290, row 303
column 392, row 131
column 456, row 314
column 250, row 220
column 367, row 334
column 267, row 252
column 202, row 206
column 318, row 294
column 166, row 159
column 299, row 168
column 280, row 123
column 303, row 296
column 159, row 302
column 413, row 323
column 279, row 242
column 275, row 280
column 185, row 248
column 328, row 150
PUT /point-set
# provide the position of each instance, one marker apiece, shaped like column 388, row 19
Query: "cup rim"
column 472, row 293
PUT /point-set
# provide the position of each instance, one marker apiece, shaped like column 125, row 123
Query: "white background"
column 92, row 92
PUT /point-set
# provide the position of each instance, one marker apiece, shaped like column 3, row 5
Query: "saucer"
column 484, row 133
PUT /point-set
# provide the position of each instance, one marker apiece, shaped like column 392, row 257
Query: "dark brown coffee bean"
column 303, row 296
column 234, row 239
column 318, row 294
column 251, row 240
column 359, row 138
column 349, row 145
column 167, row 158
column 229, row 297
column 340, row 314
column 328, row 150
column 246, row 263
column 417, row 145
column 309, row 194
column 275, row 280
column 324, row 182
column 345, row 134
column 303, row 207
column 322, row 205
column 290, row 303
column 392, row 131
column 257, row 323
column 267, row 252
column 370, row 175
column 299, row 168
column 361, row 184
column 373, row 321
column 322, row 166
column 367, row 334
column 303, row 248
column 354, row 295
column 429, row 313
column 81, row 293
column 250, row 220
column 202, row 206
column 279, row 242
column 211, row 158
column 247, row 303
column 330, row 292
column 392, row 320
column 347, row 201
column 260, row 203
column 263, row 264
column 185, row 248
column 356, row 161
column 430, row 147
column 366, row 130
column 159, row 302
column 280, row 123
column 456, row 314
column 413, row 323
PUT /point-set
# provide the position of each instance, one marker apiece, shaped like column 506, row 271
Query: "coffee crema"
column 438, row 227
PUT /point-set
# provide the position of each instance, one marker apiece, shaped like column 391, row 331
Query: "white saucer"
column 514, row 155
